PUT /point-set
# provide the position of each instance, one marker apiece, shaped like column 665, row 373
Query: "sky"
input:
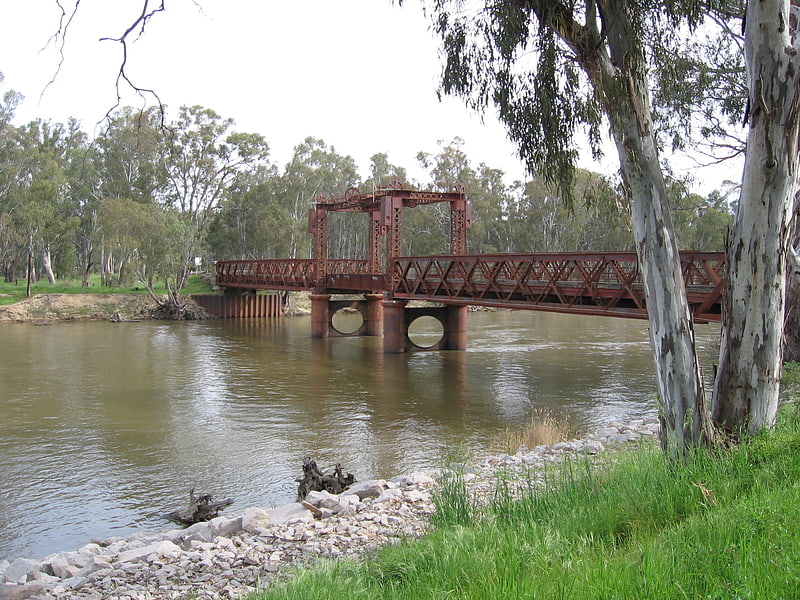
column 359, row 74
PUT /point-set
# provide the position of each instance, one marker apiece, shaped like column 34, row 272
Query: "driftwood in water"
column 201, row 508
column 315, row 481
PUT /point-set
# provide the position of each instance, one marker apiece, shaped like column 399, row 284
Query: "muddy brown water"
column 104, row 427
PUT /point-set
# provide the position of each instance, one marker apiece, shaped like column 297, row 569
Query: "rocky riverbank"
column 234, row 555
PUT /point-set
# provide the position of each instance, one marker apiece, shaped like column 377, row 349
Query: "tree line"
column 139, row 202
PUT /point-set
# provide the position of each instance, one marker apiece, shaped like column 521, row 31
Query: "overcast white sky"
column 359, row 74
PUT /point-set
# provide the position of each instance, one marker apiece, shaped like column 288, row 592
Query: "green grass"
column 721, row 526
column 14, row 292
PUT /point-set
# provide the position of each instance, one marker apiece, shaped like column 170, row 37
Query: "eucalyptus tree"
column 251, row 223
column 39, row 200
column 607, row 224
column 746, row 388
column 318, row 169
column 129, row 165
column 554, row 68
column 201, row 160
column 382, row 173
column 427, row 228
column 701, row 223
column 129, row 156
column 10, row 158
column 490, row 198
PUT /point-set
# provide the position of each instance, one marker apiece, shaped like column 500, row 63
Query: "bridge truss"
column 607, row 283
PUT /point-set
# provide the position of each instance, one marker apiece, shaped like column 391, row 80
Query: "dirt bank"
column 49, row 308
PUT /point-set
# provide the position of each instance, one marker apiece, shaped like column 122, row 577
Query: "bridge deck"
column 586, row 283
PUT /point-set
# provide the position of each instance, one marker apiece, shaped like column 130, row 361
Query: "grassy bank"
column 15, row 291
column 723, row 526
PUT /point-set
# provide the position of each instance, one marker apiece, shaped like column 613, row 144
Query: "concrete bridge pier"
column 397, row 318
column 373, row 315
column 320, row 315
column 323, row 309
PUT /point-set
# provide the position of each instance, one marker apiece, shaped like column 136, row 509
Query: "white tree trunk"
column 682, row 410
column 623, row 88
column 47, row 265
column 746, row 389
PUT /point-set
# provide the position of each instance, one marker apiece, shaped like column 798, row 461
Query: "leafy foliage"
column 137, row 203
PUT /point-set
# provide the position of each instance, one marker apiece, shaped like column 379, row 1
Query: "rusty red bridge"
column 602, row 283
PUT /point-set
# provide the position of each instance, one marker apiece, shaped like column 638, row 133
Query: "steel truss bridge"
column 607, row 283
column 590, row 283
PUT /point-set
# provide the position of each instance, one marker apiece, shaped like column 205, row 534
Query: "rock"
column 622, row 438
column 389, row 494
column 289, row 513
column 73, row 583
column 62, row 568
column 226, row 527
column 605, row 432
column 323, row 499
column 10, row 591
column 161, row 548
column 18, row 571
column 254, row 519
column 199, row 532
column 44, row 578
column 413, row 480
column 593, row 447
column 367, row 489
column 417, row 496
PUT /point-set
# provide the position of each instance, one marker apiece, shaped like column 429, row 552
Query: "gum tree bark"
column 622, row 85
column 745, row 398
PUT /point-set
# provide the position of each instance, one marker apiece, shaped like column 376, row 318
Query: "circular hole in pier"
column 347, row 321
column 425, row 331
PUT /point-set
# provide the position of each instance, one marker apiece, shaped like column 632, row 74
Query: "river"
column 107, row 426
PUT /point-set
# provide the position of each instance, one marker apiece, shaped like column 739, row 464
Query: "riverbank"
column 47, row 309
column 43, row 309
column 234, row 555
column 721, row 524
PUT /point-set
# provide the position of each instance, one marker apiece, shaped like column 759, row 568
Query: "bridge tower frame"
column 390, row 318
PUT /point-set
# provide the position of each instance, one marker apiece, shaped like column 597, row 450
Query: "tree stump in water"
column 201, row 508
column 313, row 480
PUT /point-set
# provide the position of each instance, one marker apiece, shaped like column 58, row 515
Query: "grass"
column 543, row 429
column 14, row 292
column 721, row 526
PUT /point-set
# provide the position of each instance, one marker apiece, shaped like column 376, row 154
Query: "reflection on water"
column 106, row 426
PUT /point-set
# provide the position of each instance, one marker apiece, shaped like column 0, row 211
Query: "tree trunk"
column 47, row 265
column 682, row 410
column 622, row 87
column 86, row 272
column 30, row 274
column 746, row 388
column 791, row 324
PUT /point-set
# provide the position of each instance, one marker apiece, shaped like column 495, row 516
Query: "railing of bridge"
column 589, row 283
column 276, row 274
column 281, row 273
